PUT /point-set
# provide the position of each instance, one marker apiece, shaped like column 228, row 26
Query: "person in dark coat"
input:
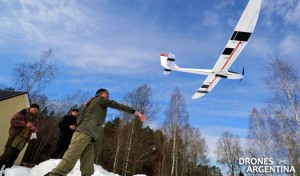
column 67, row 127
column 22, row 125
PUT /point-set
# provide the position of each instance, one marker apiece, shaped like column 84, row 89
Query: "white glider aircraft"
column 235, row 45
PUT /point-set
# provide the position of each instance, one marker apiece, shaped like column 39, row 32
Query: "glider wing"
column 209, row 83
column 239, row 37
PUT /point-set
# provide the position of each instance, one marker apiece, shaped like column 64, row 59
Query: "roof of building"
column 6, row 94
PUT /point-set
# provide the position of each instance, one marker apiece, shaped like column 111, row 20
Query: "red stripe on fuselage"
column 225, row 63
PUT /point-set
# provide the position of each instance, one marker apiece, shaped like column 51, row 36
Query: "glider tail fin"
column 168, row 62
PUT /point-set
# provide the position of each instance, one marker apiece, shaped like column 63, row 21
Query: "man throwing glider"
column 88, row 132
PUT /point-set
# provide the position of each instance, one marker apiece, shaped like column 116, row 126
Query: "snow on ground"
column 47, row 166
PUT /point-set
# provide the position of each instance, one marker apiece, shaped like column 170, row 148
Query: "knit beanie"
column 101, row 90
column 35, row 106
column 75, row 109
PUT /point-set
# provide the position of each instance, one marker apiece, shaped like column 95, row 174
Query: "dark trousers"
column 10, row 154
column 61, row 147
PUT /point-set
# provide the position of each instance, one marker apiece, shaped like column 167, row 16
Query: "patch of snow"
column 46, row 166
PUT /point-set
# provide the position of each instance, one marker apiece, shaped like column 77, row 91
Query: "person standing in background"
column 22, row 125
column 67, row 127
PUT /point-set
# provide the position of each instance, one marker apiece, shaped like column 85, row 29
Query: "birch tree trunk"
column 129, row 145
column 177, row 118
column 174, row 149
column 117, row 154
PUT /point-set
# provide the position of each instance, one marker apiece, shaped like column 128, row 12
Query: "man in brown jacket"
column 87, row 133
column 23, row 124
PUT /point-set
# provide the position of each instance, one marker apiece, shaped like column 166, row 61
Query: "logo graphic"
column 266, row 165
column 282, row 162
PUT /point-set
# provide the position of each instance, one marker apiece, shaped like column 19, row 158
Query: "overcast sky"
column 116, row 45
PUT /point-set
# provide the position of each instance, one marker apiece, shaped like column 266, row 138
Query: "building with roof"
column 11, row 102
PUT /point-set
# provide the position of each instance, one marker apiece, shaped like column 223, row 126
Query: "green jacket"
column 95, row 113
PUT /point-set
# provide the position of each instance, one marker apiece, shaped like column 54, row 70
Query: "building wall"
column 8, row 108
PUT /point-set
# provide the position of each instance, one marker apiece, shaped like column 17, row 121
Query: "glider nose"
column 241, row 76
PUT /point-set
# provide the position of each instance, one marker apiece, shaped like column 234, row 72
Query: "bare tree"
column 284, row 86
column 34, row 76
column 177, row 118
column 194, row 151
column 229, row 151
column 63, row 104
column 259, row 134
column 287, row 142
column 285, row 92
column 260, row 140
column 140, row 100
